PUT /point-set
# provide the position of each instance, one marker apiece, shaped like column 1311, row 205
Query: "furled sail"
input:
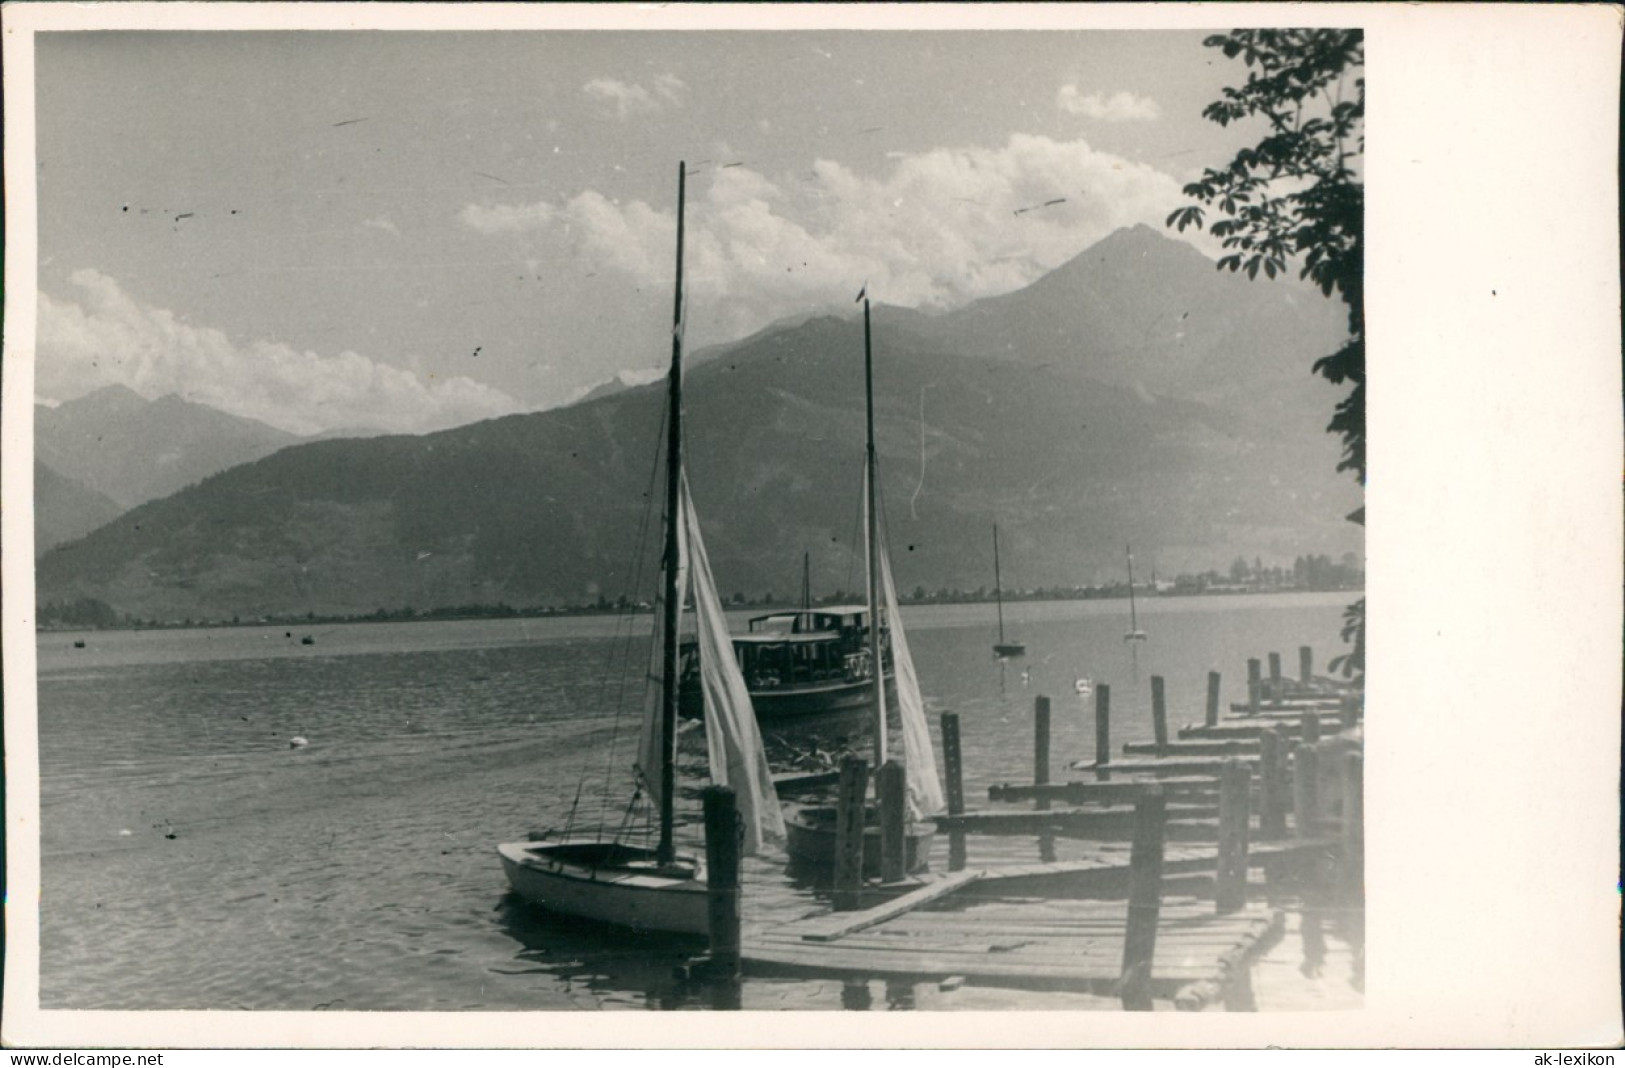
column 734, row 744
column 924, row 788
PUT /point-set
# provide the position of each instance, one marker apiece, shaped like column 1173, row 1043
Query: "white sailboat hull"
column 605, row 883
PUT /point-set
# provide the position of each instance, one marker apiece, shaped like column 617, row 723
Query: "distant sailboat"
column 614, row 881
column 1003, row 650
column 1135, row 634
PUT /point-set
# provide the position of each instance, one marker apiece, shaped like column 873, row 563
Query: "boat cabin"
column 771, row 660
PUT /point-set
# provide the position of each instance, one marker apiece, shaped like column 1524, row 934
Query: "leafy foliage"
column 1298, row 193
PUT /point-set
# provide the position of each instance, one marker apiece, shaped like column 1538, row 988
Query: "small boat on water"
column 1004, row 650
column 810, row 829
column 614, row 881
column 1135, row 634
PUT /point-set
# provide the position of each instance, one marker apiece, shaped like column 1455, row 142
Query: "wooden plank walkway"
column 1074, row 943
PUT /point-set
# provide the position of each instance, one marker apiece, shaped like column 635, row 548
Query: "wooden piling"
column 1255, row 685
column 1353, row 861
column 1159, row 713
column 1306, row 664
column 1309, row 732
column 1272, row 785
column 723, row 840
column 1046, row 842
column 1041, row 745
column 891, row 786
column 1353, row 829
column 1350, row 711
column 1144, row 902
column 1212, row 719
column 1235, row 795
column 1275, row 676
column 1103, row 731
column 954, row 769
column 849, row 834
column 1305, row 790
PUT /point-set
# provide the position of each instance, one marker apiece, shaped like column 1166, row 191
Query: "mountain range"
column 1133, row 395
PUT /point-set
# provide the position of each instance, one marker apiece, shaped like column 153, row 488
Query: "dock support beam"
column 1159, row 714
column 1306, row 664
column 893, row 791
column 954, row 768
column 849, row 834
column 1103, row 731
column 1272, row 785
column 1254, row 684
column 1235, row 798
column 1041, row 745
column 1305, row 792
column 1144, row 901
column 1350, row 711
column 1276, row 689
column 1212, row 719
column 1046, row 842
column 1310, row 730
column 723, row 839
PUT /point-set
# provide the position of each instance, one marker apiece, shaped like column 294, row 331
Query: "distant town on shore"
column 1308, row 574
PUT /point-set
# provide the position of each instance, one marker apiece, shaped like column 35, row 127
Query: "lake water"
column 192, row 859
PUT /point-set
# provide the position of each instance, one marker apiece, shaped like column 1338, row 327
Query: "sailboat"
column 1135, row 634
column 1003, row 650
column 810, row 829
column 613, row 881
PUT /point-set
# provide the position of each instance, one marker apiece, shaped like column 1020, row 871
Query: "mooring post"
column 1276, row 689
column 956, row 788
column 1353, row 829
column 1103, row 731
column 1254, row 685
column 1306, row 664
column 849, row 834
column 893, row 821
column 1310, row 731
column 1272, row 785
column 1159, row 714
column 1212, row 719
column 723, row 838
column 1305, row 789
column 1046, row 842
column 1041, row 746
column 1235, row 813
column 1144, row 899
column 1354, row 860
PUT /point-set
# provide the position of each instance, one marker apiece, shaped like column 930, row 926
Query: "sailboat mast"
column 806, row 582
column 1133, row 618
column 873, row 544
column 998, row 590
column 666, row 849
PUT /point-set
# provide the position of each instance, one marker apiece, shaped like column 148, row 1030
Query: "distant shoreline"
column 499, row 611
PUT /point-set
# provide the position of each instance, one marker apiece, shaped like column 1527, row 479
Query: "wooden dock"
column 1162, row 909
column 1078, row 944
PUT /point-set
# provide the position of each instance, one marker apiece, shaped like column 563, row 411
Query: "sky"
column 408, row 231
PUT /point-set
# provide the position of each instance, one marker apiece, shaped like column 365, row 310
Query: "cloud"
column 106, row 336
column 626, row 99
column 1119, row 107
column 506, row 218
column 936, row 229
